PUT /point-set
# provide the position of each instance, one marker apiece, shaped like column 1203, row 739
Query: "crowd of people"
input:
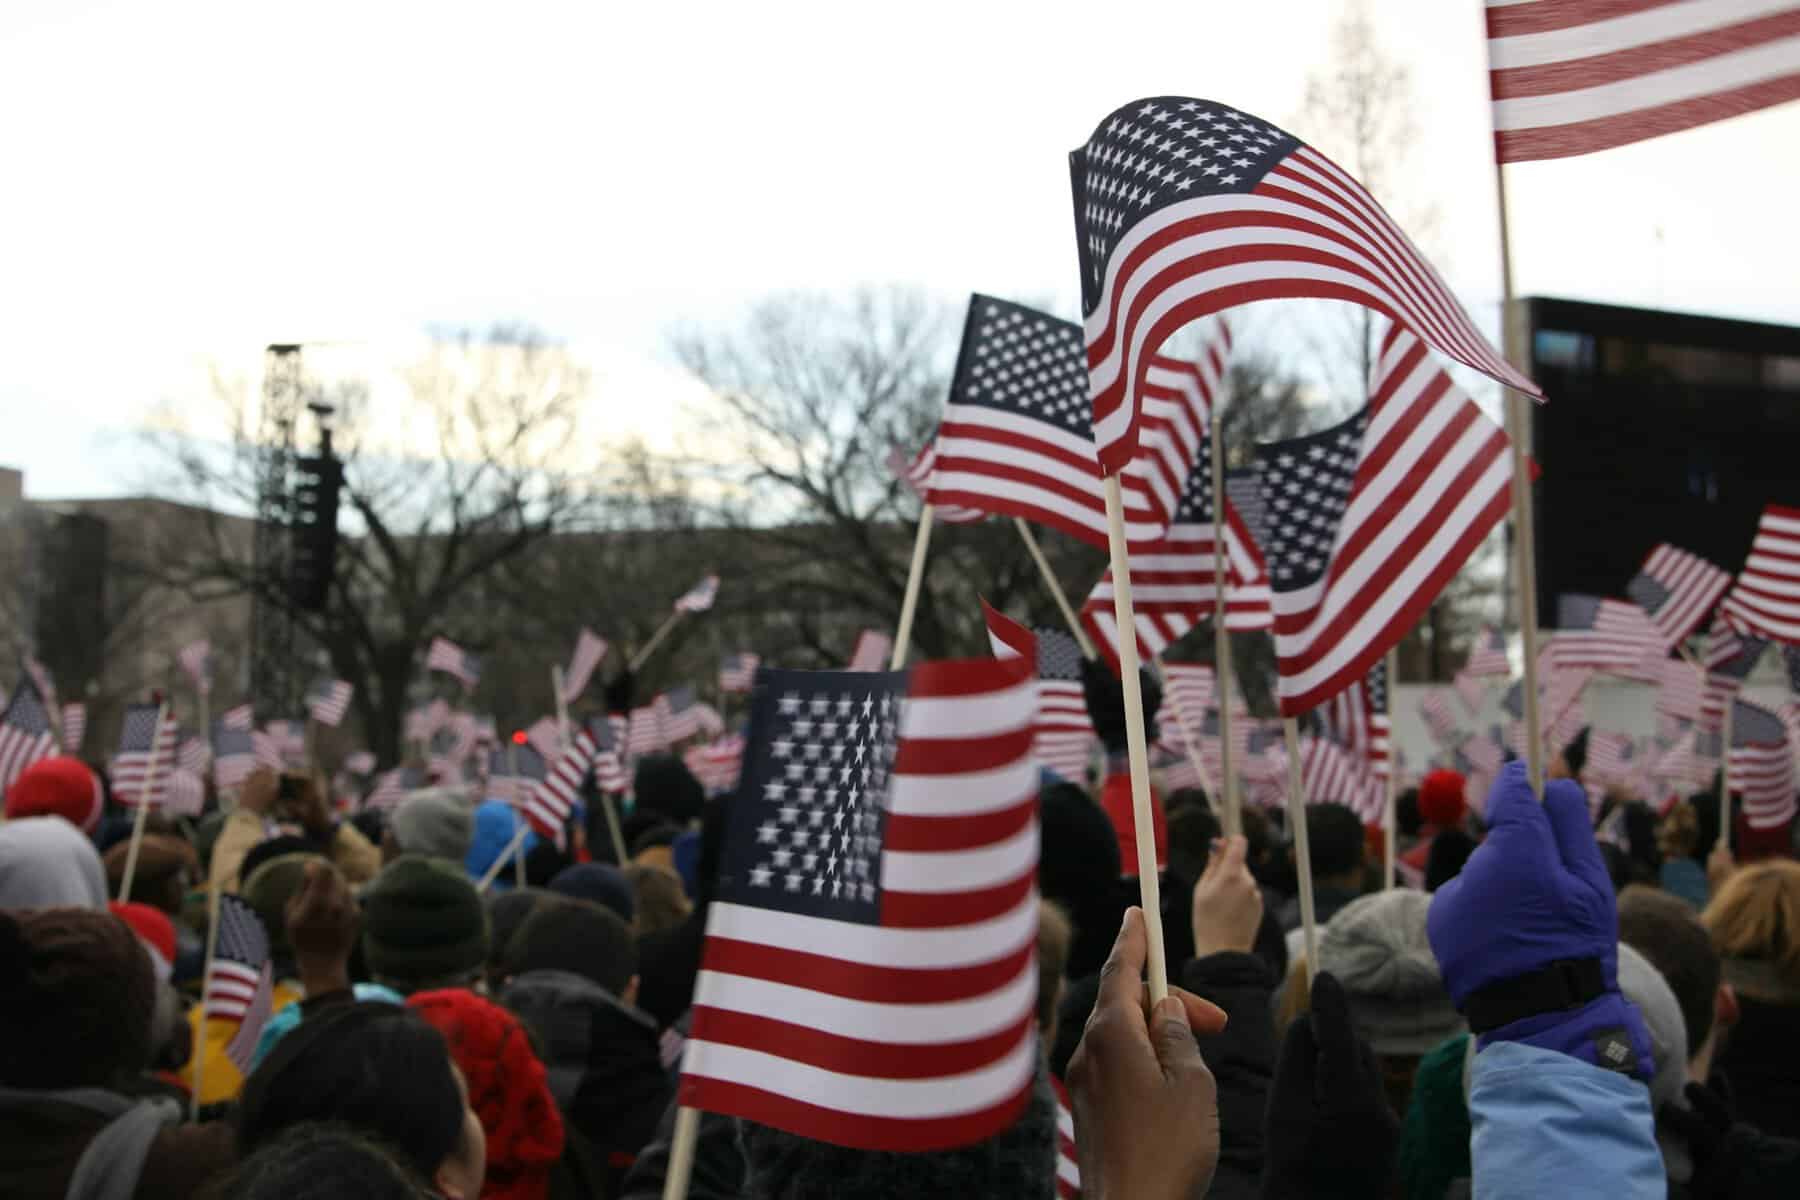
column 1563, row 996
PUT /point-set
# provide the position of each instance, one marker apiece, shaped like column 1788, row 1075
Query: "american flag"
column 392, row 786
column 1575, row 78
column 1068, row 1159
column 328, row 700
column 880, row 863
column 609, row 758
column 234, row 756
column 548, row 805
column 545, row 736
column 25, row 734
column 717, row 764
column 645, row 730
column 1358, row 718
column 1015, row 437
column 1172, row 581
column 590, row 649
column 40, row 675
column 1370, row 519
column 451, row 746
column 682, row 716
column 266, row 748
column 1609, row 756
column 1678, row 693
column 736, row 671
column 446, row 656
column 1766, row 597
column 1484, row 752
column 1062, row 733
column 186, row 795
column 1471, row 689
column 1188, row 691
column 240, row 978
column 1487, row 655
column 700, row 597
column 1602, row 634
column 1186, row 207
column 1680, row 767
column 1762, row 763
column 240, row 717
column 1333, row 774
column 1729, row 658
column 513, row 771
column 196, row 659
column 360, row 762
column 1677, row 590
column 146, row 737
column 74, row 726
column 288, row 739
column 916, row 474
column 192, row 755
column 872, row 651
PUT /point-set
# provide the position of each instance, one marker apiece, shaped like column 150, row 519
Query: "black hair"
column 663, row 785
column 1187, row 797
column 320, row 1161
column 270, row 848
column 1666, row 930
column 378, row 1068
column 1444, row 862
column 660, row 834
column 371, row 823
column 1407, row 821
column 1191, row 834
column 544, row 862
column 506, row 912
column 578, row 936
column 1334, row 835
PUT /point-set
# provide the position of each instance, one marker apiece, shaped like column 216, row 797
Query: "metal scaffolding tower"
column 274, row 675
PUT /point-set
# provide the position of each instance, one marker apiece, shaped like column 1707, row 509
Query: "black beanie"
column 76, row 999
column 423, row 924
column 663, row 784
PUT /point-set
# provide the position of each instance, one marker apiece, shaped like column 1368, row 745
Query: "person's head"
column 1678, row 836
column 1335, row 838
column 423, row 926
column 579, row 937
column 269, row 849
column 1191, row 833
column 506, row 912
column 382, row 1071
column 598, row 884
column 1442, row 799
column 1444, row 861
column 1053, row 938
column 57, row 787
column 268, row 888
column 1666, row 930
column 1407, row 820
column 45, row 862
column 660, row 901
column 495, row 825
column 320, row 1161
column 433, row 824
column 77, row 996
column 1187, row 797
column 662, row 784
column 1754, row 921
column 1078, row 868
column 166, row 867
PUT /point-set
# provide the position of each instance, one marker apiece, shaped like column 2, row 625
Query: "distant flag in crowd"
column 1487, row 658
column 1602, row 634
column 1187, row 692
column 240, row 717
column 1729, row 658
column 700, row 597
column 1015, row 437
column 1485, row 752
column 737, row 672
column 550, row 803
column 288, row 738
column 193, row 754
column 717, row 764
column 266, row 748
column 1679, row 689
column 872, row 651
column 1470, row 689
column 40, row 675
column 922, row 889
column 1068, row 1160
column 1370, row 519
column 1187, row 207
column 681, row 715
column 392, row 786
column 74, row 726
column 146, row 745
column 360, row 762
column 609, row 754
column 916, row 474
column 590, row 650
column 513, row 771
column 1677, row 590
column 545, row 736
column 446, row 656
column 25, row 734
column 1569, row 78
column 645, row 731
column 1761, row 766
column 1765, row 600
column 186, row 794
column 196, row 660
column 1062, row 731
column 240, row 978
column 328, row 700
column 1609, row 756
column 234, row 756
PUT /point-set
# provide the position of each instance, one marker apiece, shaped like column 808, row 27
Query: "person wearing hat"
column 166, row 867
column 45, row 862
column 436, row 823
column 1442, row 805
column 57, row 787
column 424, row 926
column 300, row 801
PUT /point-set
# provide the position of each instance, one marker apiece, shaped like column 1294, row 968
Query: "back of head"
column 663, row 784
column 506, row 912
column 660, row 901
column 1191, row 833
column 1377, row 948
column 1754, row 921
column 57, row 787
column 574, row 936
column 45, row 862
column 1335, row 838
column 1079, row 853
column 434, row 823
column 423, row 925
column 1645, row 987
column 272, row 848
column 1678, row 836
column 77, row 995
column 321, row 1162
column 1187, row 797
column 1444, row 862
column 599, row 884
column 374, row 1067
column 269, row 887
column 1406, row 812
column 1666, row 930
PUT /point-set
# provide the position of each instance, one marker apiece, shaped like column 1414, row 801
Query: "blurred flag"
column 446, row 656
column 1487, row 655
column 1729, row 658
column 513, row 771
column 1068, row 1160
column 700, row 597
column 590, row 649
column 1765, row 600
column 545, row 736
column 548, row 805
column 1062, row 732
column 196, row 659
column 360, row 762
column 1677, row 590
column 609, row 754
column 717, row 764
column 186, row 794
column 40, row 675
column 25, row 734
column 239, row 982
column 240, row 717
column 74, row 727
column 193, row 754
column 872, row 651
column 234, row 756
column 328, row 700
column 736, row 671
column 146, row 749
column 1602, row 634
column 680, row 714
column 1762, row 763
column 916, row 474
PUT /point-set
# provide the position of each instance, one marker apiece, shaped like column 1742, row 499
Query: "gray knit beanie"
column 1376, row 947
column 1645, row 987
column 435, row 824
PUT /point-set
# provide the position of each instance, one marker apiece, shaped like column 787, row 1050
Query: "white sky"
column 184, row 181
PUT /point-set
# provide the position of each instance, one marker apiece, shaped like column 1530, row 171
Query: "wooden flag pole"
column 1062, row 600
column 562, row 732
column 512, row 848
column 643, row 656
column 143, row 808
column 1192, row 741
column 1296, row 805
column 611, row 809
column 909, row 604
column 1149, row 886
column 1518, row 410
column 1230, row 800
column 212, row 943
column 512, row 765
column 1720, row 835
column 681, row 1153
column 1393, row 774
column 562, row 706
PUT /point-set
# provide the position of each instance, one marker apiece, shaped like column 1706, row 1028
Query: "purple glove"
column 1528, row 935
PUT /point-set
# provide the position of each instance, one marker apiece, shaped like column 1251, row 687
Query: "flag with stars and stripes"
column 916, row 473
column 550, row 803
column 1173, row 581
column 328, row 700
column 1679, row 689
column 1761, row 763
column 1187, row 692
column 1062, row 733
column 1603, row 634
column 700, row 597
column 239, row 717
column 1358, row 718
column 196, row 661
column 74, row 726
column 140, row 770
column 1765, row 600
column 1572, row 78
column 446, row 656
column 1369, row 520
column 233, row 756
column 878, row 874
column 1015, row 437
column 609, row 754
column 590, row 650
column 1728, row 657
column 392, row 787
column 736, row 671
column 1184, row 208
column 545, row 736
column 240, row 978
column 40, row 675
column 513, row 771
column 25, row 733
column 1487, row 654
column 193, row 754
column 717, row 764
column 871, row 652
column 1677, row 590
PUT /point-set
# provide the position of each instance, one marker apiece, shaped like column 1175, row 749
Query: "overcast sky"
column 185, row 181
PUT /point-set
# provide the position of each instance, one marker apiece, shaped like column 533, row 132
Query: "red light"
column 518, row 737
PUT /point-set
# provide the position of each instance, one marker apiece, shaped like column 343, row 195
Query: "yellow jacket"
column 353, row 853
column 221, row 1080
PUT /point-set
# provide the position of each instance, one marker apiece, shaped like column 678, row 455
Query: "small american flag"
column 1602, row 634
column 234, row 756
column 1471, row 690
column 1677, row 590
column 1678, row 694
column 240, row 978
column 1609, row 756
column 1068, row 1159
column 513, row 771
column 266, row 748
column 1487, row 654
column 446, row 656
column 1575, row 78
column 645, row 727
column 590, row 649
column 700, row 597
column 1440, row 717
column 1188, row 691
column 717, row 764
column 1729, row 659
column 25, row 734
column 1766, row 596
column 1370, row 519
column 872, row 651
column 883, row 846
column 736, row 671
column 146, row 748
column 186, row 795
column 74, row 727
column 328, row 700
column 609, row 757
column 1185, row 208
column 1358, row 718
column 288, row 738
column 40, row 675
column 681, row 715
column 916, row 474
column 545, row 736
column 193, row 754
column 548, row 805
column 1761, row 763
column 241, row 717
column 392, row 786
column 1331, row 773
column 1062, row 732
column 196, row 659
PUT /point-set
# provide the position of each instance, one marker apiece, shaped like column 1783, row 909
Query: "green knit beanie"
column 423, row 923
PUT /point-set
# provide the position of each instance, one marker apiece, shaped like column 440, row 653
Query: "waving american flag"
column 446, row 656
column 25, row 733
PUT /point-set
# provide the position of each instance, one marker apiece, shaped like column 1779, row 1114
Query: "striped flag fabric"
column 25, row 733
column 146, row 748
column 239, row 717
column 1729, row 659
column 186, row 795
column 1761, row 764
column 1572, row 78
column 1609, row 756
column 1188, row 691
column 590, row 650
column 916, row 473
column 1371, row 518
column 1601, row 634
column 328, row 700
column 1487, row 654
column 700, row 597
column 831, row 964
column 680, row 715
column 645, row 731
column 240, row 978
column 360, row 762
column 40, row 675
column 1358, row 719
column 717, row 764
column 234, row 756
column 737, row 672
column 609, row 757
column 1333, row 774
column 1677, row 590
column 1765, row 600
column 872, row 651
column 513, row 771
column 192, row 755
column 1679, row 689
column 1187, row 207
column 545, row 736
column 548, row 805
column 391, row 787
column 196, row 660
column 74, row 727
column 1470, row 689
column 1015, row 436
column 446, row 656
column 1068, row 1158
column 267, row 749
column 1062, row 733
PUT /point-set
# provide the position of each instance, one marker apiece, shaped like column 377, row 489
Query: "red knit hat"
column 154, row 930
column 508, row 1090
column 1441, row 800
column 57, row 787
